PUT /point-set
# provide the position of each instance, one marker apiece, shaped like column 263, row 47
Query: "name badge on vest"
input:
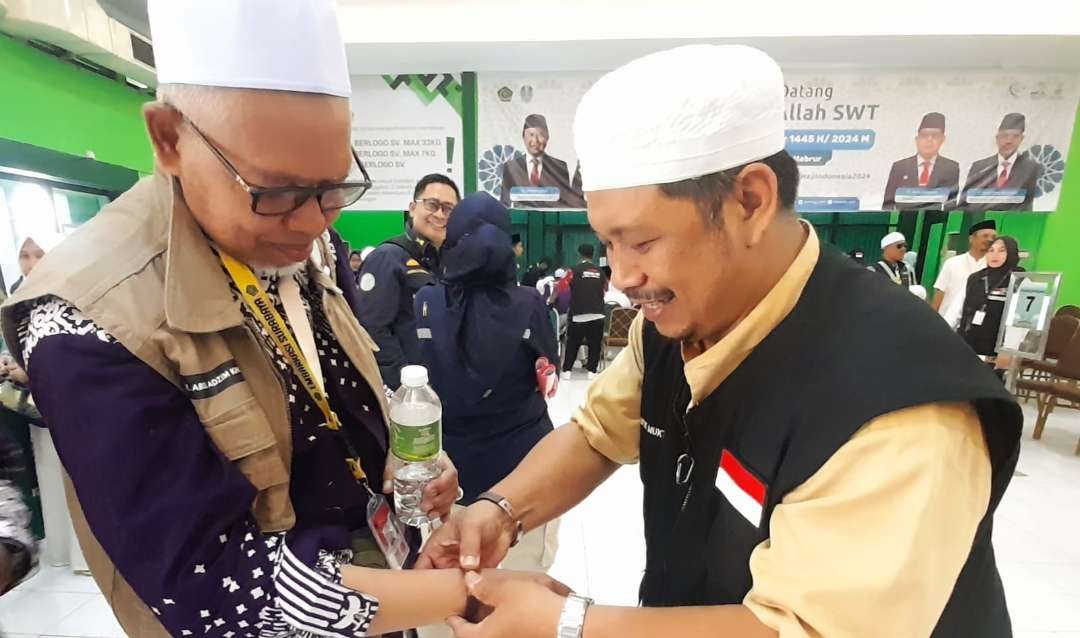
column 744, row 491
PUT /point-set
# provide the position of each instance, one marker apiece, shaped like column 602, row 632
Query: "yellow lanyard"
column 268, row 317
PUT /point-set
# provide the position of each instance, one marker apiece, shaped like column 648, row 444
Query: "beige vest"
column 143, row 271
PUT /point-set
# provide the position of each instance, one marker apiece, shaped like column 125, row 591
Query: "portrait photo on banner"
column 940, row 140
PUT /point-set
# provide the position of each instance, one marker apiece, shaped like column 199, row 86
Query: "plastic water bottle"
column 416, row 440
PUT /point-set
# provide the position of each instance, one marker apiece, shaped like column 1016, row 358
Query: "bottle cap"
column 414, row 376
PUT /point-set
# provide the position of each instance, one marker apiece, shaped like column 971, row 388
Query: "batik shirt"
column 174, row 515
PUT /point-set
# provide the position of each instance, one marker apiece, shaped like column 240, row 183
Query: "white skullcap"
column 560, row 273
column 280, row 45
column 366, row 251
column 892, row 238
column 680, row 114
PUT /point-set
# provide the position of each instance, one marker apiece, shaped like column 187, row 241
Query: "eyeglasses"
column 433, row 205
column 278, row 201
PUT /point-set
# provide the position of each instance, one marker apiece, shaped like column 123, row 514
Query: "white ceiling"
column 410, row 36
column 427, row 36
column 913, row 52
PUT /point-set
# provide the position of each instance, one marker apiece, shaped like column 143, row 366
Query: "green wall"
column 369, row 228
column 1059, row 249
column 56, row 105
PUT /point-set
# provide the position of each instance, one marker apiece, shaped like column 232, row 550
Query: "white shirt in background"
column 544, row 286
column 952, row 280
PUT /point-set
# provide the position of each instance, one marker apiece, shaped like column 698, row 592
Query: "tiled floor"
column 601, row 553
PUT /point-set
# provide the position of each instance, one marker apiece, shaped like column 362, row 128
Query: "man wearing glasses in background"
column 400, row 266
column 212, row 397
column 892, row 265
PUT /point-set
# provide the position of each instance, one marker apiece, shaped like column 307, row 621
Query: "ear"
column 759, row 198
column 163, row 124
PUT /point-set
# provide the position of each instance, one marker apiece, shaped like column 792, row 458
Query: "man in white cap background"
column 893, row 248
column 178, row 346
column 813, row 465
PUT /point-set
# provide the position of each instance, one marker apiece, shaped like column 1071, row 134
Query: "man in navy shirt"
column 397, row 269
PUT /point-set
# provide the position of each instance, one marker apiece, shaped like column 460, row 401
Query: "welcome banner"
column 929, row 140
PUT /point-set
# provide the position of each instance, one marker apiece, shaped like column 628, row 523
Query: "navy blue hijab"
column 482, row 321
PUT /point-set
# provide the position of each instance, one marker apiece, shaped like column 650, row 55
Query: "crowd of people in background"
column 971, row 288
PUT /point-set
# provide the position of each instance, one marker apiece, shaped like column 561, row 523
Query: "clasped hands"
column 513, row 604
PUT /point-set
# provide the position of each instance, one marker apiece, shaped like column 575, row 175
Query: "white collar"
column 1011, row 159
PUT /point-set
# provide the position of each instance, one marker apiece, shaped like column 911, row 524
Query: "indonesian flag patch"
column 741, row 488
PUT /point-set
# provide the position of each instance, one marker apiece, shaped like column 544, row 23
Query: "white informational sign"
column 858, row 136
column 405, row 127
column 1028, row 309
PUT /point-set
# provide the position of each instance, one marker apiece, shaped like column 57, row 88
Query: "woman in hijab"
column 61, row 547
column 481, row 336
column 984, row 298
column 31, row 249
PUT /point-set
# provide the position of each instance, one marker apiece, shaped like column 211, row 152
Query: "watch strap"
column 504, row 504
column 572, row 619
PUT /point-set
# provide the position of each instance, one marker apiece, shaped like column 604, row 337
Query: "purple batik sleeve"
column 170, row 511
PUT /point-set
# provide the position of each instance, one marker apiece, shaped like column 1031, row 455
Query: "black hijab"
column 981, row 286
column 485, row 311
column 1012, row 259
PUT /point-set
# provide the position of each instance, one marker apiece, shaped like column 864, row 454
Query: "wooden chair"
column 1068, row 311
column 1061, row 332
column 1063, row 385
column 618, row 335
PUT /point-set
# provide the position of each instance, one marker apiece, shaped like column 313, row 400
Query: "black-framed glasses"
column 282, row 200
column 433, row 205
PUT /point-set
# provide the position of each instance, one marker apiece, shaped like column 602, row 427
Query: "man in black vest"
column 397, row 268
column 588, row 284
column 892, row 265
column 821, row 455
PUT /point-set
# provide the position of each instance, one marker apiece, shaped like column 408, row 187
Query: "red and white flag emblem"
column 741, row 488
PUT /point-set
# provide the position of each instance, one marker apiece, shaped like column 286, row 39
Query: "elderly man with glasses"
column 399, row 267
column 212, row 397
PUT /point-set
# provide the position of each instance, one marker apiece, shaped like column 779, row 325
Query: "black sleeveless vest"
column 855, row 347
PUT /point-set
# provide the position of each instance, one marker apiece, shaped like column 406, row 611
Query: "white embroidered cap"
column 892, row 238
column 281, row 45
column 680, row 114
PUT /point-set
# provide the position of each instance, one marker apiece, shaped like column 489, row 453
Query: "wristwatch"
column 502, row 503
column 572, row 620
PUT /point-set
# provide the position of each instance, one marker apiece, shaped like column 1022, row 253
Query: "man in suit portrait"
column 925, row 169
column 537, row 168
column 1009, row 168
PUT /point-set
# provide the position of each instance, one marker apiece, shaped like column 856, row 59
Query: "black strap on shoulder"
column 408, row 245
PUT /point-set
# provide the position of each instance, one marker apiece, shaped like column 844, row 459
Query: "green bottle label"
column 416, row 442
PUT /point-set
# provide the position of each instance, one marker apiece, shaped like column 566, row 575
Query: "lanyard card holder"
column 388, row 531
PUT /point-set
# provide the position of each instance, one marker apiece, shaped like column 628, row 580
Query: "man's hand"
column 477, row 538
column 440, row 493
column 523, row 606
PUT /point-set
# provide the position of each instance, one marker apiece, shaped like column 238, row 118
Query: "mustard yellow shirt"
column 871, row 544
